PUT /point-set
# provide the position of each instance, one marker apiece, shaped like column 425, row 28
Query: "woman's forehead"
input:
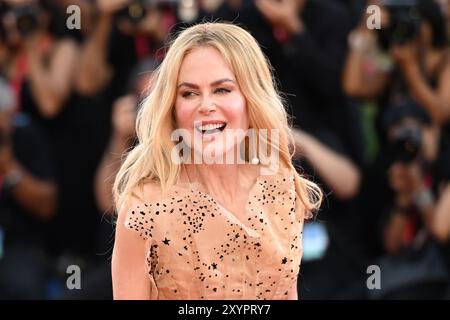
column 204, row 64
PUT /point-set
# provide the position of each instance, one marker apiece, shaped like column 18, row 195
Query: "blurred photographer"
column 409, row 175
column 40, row 64
column 28, row 197
column 409, row 56
column 123, row 132
column 126, row 32
column 405, row 197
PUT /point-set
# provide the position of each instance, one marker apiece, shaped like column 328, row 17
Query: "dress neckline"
column 199, row 188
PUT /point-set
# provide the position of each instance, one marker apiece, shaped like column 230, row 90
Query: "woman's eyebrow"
column 212, row 84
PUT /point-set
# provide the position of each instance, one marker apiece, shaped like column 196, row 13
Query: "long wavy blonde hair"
column 150, row 159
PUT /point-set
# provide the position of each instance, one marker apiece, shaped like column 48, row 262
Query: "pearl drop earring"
column 255, row 159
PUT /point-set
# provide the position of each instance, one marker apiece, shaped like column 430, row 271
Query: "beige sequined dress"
column 197, row 249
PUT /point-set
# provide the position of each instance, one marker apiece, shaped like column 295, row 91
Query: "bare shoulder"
column 147, row 192
column 135, row 212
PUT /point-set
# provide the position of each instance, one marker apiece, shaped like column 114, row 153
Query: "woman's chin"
column 215, row 152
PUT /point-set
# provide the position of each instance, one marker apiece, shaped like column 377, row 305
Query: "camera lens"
column 136, row 11
column 406, row 145
column 26, row 24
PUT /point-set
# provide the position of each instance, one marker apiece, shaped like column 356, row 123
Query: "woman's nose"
column 207, row 106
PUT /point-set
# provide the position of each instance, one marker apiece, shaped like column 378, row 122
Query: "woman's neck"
column 223, row 181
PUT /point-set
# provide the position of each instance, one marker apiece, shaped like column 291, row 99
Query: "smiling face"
column 209, row 102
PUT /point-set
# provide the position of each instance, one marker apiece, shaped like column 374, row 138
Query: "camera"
column 403, row 122
column 136, row 10
column 406, row 145
column 404, row 22
column 26, row 17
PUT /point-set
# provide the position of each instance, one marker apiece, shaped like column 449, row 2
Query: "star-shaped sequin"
column 284, row 261
column 166, row 241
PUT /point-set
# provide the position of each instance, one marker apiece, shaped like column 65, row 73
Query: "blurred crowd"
column 370, row 108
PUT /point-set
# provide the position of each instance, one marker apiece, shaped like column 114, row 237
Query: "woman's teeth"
column 211, row 128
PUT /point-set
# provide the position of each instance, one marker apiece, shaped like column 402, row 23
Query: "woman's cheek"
column 184, row 116
column 236, row 109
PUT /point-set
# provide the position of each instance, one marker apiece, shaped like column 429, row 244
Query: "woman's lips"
column 211, row 127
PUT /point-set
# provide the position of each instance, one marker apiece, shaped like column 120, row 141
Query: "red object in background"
column 281, row 35
column 142, row 43
column 411, row 229
column 16, row 83
column 414, row 218
column 42, row 47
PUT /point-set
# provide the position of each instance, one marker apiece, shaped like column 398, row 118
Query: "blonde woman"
column 201, row 229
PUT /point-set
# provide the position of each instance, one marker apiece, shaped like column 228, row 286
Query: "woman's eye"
column 187, row 94
column 222, row 90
